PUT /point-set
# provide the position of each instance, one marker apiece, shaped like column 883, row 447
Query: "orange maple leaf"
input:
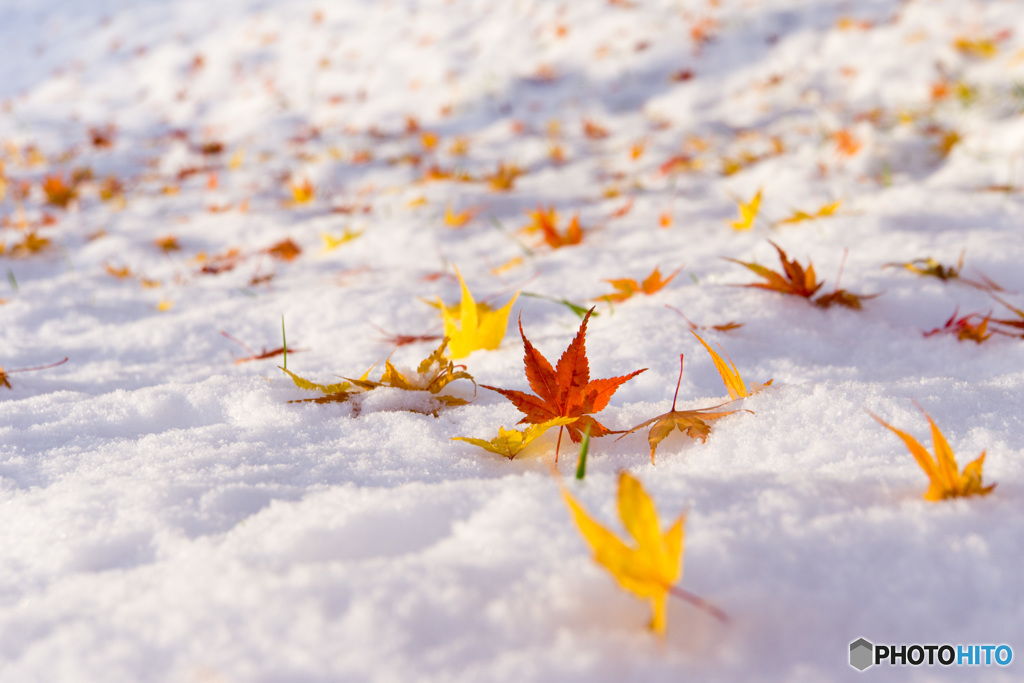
column 59, row 193
column 627, row 287
column 565, row 390
column 594, row 130
column 794, row 279
column 798, row 281
column 545, row 221
column 504, row 178
column 846, row 143
column 286, row 250
column 965, row 328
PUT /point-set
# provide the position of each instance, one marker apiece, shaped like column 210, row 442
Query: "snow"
column 170, row 516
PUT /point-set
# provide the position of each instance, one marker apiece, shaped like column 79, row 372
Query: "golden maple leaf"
column 647, row 570
column 510, row 442
column 730, row 376
column 331, row 242
column 474, row 326
column 945, row 479
column 303, row 192
column 748, row 212
column 799, row 216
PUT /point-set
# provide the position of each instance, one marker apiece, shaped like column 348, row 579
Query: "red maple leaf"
column 565, row 390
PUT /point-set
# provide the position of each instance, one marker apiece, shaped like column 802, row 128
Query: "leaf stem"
column 581, row 468
column 699, row 602
column 284, row 344
column 678, row 382
column 39, row 367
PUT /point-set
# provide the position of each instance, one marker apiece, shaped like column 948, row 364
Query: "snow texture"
column 168, row 515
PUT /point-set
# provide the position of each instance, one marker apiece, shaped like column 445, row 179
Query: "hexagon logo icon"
column 861, row 654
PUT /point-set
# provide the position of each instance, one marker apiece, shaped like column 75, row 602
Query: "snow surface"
column 169, row 516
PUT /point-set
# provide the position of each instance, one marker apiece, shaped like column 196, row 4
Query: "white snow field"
column 167, row 515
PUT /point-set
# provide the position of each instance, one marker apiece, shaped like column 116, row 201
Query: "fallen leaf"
column 651, row 568
column 800, row 216
column 794, row 280
column 797, row 281
column 262, row 354
column 332, row 393
column 433, row 375
column 846, row 143
column 748, row 212
column 545, row 221
column 58, row 192
column 693, row 423
column 167, row 244
column 566, row 390
column 285, row 250
column 1017, row 324
column 31, row 243
column 979, row 48
column 972, row 327
column 476, row 326
column 458, row 219
column 503, row 179
column 122, row 273
column 929, row 267
column 730, row 375
column 510, row 442
column 303, row 191
column 331, row 242
column 945, row 479
column 627, row 287
column 594, row 130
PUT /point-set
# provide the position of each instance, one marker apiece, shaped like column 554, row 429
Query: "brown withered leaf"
column 693, row 423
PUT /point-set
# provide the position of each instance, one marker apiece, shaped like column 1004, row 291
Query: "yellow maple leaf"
column 651, row 568
column 331, row 242
column 434, row 373
column 945, row 479
column 799, row 216
column 31, row 243
column 510, row 442
column 980, row 48
column 457, row 219
column 476, row 326
column 730, row 376
column 748, row 212
column 237, row 159
column 303, row 192
column 120, row 273
column 416, row 202
column 332, row 393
